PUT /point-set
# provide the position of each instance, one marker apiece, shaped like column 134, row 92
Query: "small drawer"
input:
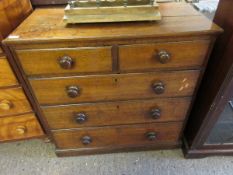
column 116, row 113
column 19, row 127
column 13, row 102
column 114, row 87
column 163, row 55
column 60, row 61
column 7, row 77
column 127, row 135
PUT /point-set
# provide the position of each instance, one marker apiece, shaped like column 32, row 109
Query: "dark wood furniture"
column 17, row 119
column 209, row 129
column 110, row 87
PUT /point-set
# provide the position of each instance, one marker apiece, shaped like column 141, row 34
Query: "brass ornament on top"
column 97, row 11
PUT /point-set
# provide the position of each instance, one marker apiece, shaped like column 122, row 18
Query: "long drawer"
column 116, row 113
column 19, row 127
column 66, row 90
column 143, row 134
column 13, row 102
column 69, row 60
column 7, row 77
column 163, row 55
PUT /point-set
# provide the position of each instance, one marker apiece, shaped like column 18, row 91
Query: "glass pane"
column 222, row 133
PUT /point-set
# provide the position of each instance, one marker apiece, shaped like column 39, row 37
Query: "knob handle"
column 81, row 117
column 151, row 136
column 86, row 140
column 21, row 130
column 73, row 91
column 66, row 62
column 155, row 113
column 5, row 105
column 158, row 87
column 163, row 56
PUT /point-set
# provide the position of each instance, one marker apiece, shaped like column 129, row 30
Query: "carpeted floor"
column 38, row 158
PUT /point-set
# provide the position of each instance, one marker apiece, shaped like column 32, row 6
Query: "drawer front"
column 163, row 55
column 55, row 61
column 13, row 101
column 127, row 135
column 115, row 113
column 7, row 77
column 19, row 127
column 114, row 87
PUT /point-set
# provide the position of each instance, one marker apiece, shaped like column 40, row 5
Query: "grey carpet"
column 38, row 158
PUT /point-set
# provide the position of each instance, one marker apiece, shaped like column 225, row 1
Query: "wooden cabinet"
column 110, row 87
column 17, row 119
column 210, row 126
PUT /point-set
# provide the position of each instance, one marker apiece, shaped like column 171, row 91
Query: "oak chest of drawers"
column 110, row 87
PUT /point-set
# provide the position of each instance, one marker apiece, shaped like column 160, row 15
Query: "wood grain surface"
column 12, row 13
column 116, row 113
column 7, row 77
column 46, row 61
column 114, row 87
column 46, row 25
column 16, row 100
column 19, row 127
column 127, row 135
column 145, row 56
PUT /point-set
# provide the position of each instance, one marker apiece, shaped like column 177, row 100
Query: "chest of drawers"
column 110, row 87
column 17, row 121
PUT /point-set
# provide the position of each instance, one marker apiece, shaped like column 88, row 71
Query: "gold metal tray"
column 95, row 11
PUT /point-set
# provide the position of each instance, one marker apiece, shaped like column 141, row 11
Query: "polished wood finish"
column 49, row 61
column 7, row 78
column 148, row 56
column 118, row 135
column 16, row 118
column 16, row 101
column 116, row 113
column 214, row 93
column 106, row 105
column 51, row 29
column 12, row 13
column 21, row 127
column 114, row 87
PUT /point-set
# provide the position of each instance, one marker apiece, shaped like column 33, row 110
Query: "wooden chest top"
column 46, row 25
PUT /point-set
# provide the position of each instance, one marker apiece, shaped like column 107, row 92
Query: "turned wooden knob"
column 80, row 117
column 151, row 136
column 73, row 91
column 158, row 87
column 66, row 62
column 86, row 140
column 163, row 56
column 155, row 113
column 21, row 129
column 5, row 105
